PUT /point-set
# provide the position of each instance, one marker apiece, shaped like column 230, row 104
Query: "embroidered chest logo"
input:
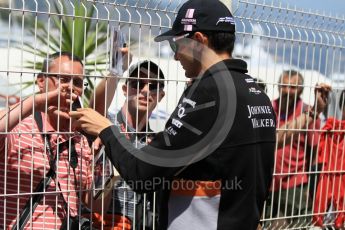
column 181, row 111
column 254, row 91
column 249, row 80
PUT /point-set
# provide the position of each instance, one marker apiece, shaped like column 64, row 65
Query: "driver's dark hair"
column 221, row 41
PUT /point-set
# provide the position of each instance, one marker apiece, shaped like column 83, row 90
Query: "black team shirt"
column 245, row 157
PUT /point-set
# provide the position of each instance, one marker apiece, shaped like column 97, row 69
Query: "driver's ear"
column 201, row 38
column 201, row 41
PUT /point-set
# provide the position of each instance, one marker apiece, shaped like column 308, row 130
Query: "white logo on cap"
column 226, row 20
column 188, row 27
column 189, row 21
column 190, row 13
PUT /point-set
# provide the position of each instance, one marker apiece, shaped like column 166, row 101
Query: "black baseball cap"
column 148, row 67
column 200, row 15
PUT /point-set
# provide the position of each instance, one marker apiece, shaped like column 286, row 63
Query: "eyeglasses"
column 176, row 41
column 76, row 81
column 153, row 85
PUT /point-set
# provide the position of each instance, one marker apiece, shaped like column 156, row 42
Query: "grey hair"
column 291, row 73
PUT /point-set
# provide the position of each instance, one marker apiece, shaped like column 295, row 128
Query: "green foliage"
column 75, row 32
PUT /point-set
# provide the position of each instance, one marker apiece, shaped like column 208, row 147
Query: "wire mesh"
column 271, row 37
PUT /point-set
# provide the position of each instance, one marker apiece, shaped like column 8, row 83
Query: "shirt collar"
column 237, row 65
column 54, row 136
column 122, row 120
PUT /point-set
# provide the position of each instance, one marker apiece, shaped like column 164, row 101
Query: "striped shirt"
column 24, row 161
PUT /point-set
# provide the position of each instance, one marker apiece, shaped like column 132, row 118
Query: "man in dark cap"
column 214, row 160
column 143, row 89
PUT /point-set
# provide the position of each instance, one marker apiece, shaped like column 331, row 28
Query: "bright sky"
column 331, row 6
column 328, row 6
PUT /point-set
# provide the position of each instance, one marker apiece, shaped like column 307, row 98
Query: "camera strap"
column 42, row 186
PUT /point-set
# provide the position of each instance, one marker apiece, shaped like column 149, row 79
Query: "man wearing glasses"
column 217, row 149
column 40, row 152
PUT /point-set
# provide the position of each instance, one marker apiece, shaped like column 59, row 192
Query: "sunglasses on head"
column 174, row 42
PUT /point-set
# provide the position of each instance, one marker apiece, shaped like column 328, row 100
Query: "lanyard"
column 42, row 186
